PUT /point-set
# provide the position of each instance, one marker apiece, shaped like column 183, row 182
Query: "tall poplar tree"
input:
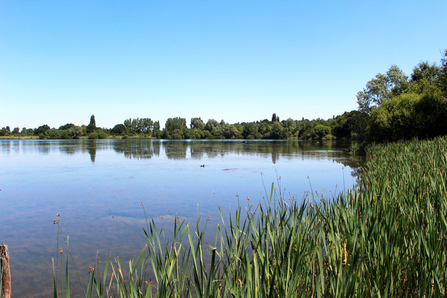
column 92, row 126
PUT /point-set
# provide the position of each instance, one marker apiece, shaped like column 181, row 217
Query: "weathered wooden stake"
column 5, row 271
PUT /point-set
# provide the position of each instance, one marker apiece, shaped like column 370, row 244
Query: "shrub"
column 102, row 135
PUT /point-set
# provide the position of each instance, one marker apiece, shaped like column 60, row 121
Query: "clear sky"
column 240, row 61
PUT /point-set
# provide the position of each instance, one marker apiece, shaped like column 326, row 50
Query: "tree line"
column 344, row 126
column 392, row 106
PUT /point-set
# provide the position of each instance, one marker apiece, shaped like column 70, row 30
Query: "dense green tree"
column 53, row 134
column 431, row 113
column 66, row 126
column 156, row 132
column 212, row 125
column 101, row 134
column 265, row 129
column 16, row 130
column 119, row 130
column 139, row 125
column 147, row 125
column 75, row 132
column 250, row 131
column 128, row 123
column 193, row 133
column 350, row 125
column 231, row 132
column 425, row 71
column 305, row 128
column 289, row 123
column 381, row 88
column 290, row 129
column 92, row 125
column 218, row 134
column 41, row 129
column 320, row 131
column 410, row 115
column 197, row 123
column 277, row 130
column 207, row 135
column 393, row 120
column 176, row 134
column 235, row 133
column 175, row 123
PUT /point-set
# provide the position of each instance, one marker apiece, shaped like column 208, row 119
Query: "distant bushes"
column 98, row 135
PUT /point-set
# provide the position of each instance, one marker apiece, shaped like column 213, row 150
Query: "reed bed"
column 385, row 238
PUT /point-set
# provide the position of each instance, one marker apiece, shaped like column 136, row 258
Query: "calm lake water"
column 89, row 180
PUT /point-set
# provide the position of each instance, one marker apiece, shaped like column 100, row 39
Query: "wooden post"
column 5, row 271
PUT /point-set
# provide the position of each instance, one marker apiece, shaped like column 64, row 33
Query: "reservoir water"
column 87, row 181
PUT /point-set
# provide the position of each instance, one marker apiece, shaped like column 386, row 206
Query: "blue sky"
column 240, row 61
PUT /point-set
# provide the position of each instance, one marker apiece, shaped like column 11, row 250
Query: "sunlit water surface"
column 87, row 181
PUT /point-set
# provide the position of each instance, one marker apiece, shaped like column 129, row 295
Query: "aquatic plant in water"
column 386, row 238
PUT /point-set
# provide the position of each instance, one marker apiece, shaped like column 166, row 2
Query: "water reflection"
column 195, row 149
column 87, row 180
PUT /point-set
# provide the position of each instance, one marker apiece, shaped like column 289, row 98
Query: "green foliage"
column 212, row 125
column 176, row 134
column 401, row 110
column 350, row 125
column 66, row 126
column 52, row 134
column 276, row 130
column 176, row 124
column 138, row 125
column 93, row 135
column 320, row 131
column 41, row 129
column 410, row 115
column 250, row 131
column 102, row 135
column 197, row 123
column 75, row 132
column 193, row 133
column 156, row 133
column 425, row 71
column 57, row 134
column 119, row 130
column 92, row 125
column 5, row 131
column 84, row 129
column 218, row 134
column 381, row 88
